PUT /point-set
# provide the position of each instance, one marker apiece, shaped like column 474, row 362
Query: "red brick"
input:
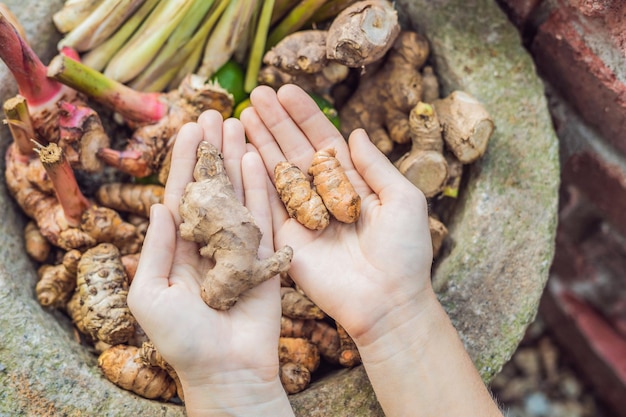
column 609, row 15
column 564, row 60
column 603, row 184
column 597, row 350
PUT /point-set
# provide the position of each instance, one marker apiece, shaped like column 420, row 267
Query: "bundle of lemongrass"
column 151, row 45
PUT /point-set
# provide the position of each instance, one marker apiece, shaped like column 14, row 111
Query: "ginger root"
column 122, row 365
column 303, row 203
column 129, row 197
column 150, row 356
column 214, row 217
column 37, row 246
column 333, row 185
column 384, row 98
column 362, row 33
column 467, row 125
column 57, row 282
column 98, row 307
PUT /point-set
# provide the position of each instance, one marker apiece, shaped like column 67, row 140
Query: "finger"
column 261, row 138
column 257, row 201
column 310, row 120
column 376, row 169
column 211, row 123
column 292, row 141
column 157, row 255
column 182, row 166
column 233, row 149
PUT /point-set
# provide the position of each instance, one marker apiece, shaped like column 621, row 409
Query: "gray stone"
column 490, row 279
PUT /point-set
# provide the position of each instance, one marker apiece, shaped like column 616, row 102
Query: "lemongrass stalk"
column 99, row 57
column 329, row 10
column 227, row 36
column 131, row 104
column 281, row 7
column 188, row 56
column 73, row 13
column 295, row 20
column 141, row 49
column 72, row 200
column 181, row 35
column 20, row 124
column 27, row 69
column 100, row 24
column 258, row 46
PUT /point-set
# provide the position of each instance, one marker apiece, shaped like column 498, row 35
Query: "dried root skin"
column 303, row 203
column 122, row 365
column 333, row 185
column 105, row 225
column 151, row 357
column 322, row 334
column 362, row 33
column 320, row 83
column 98, row 307
column 300, row 351
column 296, row 305
column 214, row 217
column 295, row 377
column 57, row 282
column 467, row 125
column 300, row 52
column 383, row 100
column 129, row 197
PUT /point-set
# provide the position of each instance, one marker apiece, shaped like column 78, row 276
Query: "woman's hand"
column 357, row 273
column 227, row 360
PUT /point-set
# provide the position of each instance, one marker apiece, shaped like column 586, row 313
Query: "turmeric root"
column 98, row 307
column 322, row 334
column 349, row 355
column 295, row 377
column 298, row 306
column 467, row 126
column 298, row 350
column 214, row 217
column 122, row 365
column 131, row 198
column 383, row 100
column 362, row 33
column 424, row 165
column 57, row 282
column 151, row 357
column 333, row 185
column 301, row 201
column 37, row 246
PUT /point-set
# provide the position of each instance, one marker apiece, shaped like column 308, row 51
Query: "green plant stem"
column 255, row 58
column 295, row 20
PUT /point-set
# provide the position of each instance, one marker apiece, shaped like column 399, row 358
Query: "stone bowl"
column 490, row 280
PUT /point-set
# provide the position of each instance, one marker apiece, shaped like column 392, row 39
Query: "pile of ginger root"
column 87, row 247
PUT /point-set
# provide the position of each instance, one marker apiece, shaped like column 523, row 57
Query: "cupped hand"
column 357, row 273
column 207, row 347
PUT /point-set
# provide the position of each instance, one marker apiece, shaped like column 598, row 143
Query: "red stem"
column 70, row 197
column 27, row 68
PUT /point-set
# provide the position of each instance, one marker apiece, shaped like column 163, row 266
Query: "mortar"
column 490, row 279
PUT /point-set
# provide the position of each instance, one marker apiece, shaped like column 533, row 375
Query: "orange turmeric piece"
column 333, row 185
column 130, row 198
column 298, row 306
column 302, row 202
column 98, row 307
column 122, row 365
column 322, row 334
column 298, row 350
column 295, row 377
column 151, row 357
column 57, row 282
column 349, row 355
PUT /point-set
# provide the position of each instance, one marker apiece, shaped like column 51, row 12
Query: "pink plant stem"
column 131, row 104
column 70, row 197
column 26, row 67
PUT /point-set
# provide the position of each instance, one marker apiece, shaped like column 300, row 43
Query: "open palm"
column 383, row 259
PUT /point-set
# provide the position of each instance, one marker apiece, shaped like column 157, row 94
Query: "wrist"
column 235, row 394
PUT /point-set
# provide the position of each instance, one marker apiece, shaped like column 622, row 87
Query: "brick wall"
column 579, row 48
